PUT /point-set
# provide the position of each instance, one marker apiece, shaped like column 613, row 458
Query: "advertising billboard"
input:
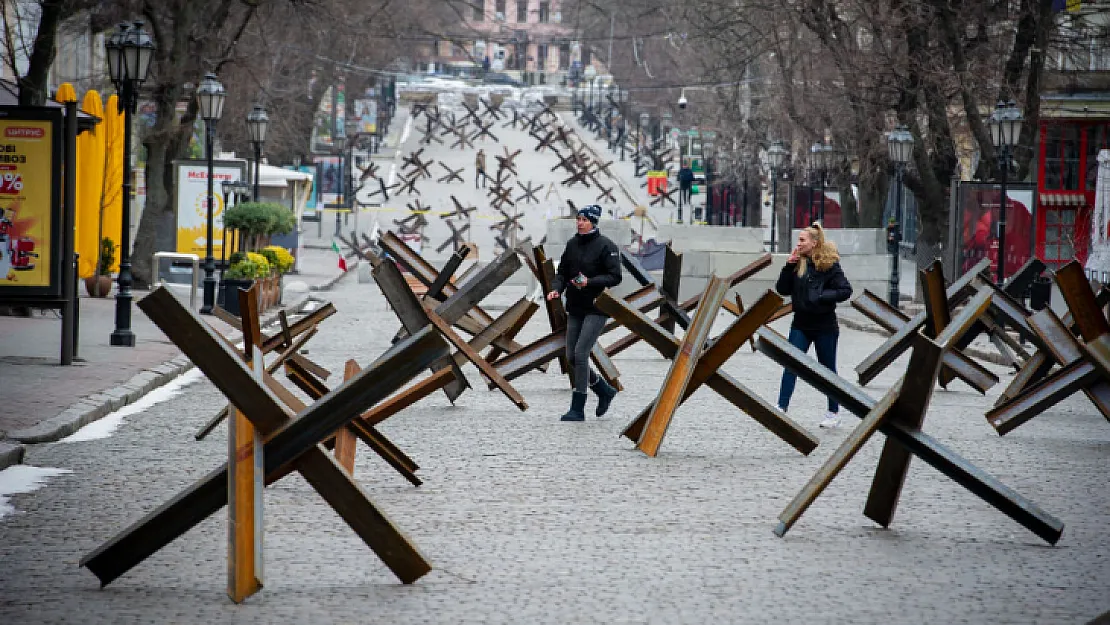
column 191, row 182
column 30, row 203
column 979, row 208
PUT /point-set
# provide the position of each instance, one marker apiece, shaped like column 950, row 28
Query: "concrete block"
column 685, row 238
column 851, row 241
column 696, row 263
column 559, row 231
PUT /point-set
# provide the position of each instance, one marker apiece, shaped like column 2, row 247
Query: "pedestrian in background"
column 480, row 168
column 590, row 264
column 813, row 279
column 685, row 185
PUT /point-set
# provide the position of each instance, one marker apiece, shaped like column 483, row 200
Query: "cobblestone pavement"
column 527, row 519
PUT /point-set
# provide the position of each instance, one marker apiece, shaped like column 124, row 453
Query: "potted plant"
column 100, row 283
column 281, row 261
column 239, row 275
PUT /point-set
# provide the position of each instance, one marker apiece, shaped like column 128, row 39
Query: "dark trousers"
column 582, row 334
column 824, row 343
column 684, row 194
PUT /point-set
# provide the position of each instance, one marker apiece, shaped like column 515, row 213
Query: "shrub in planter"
column 279, row 257
column 262, row 268
column 258, row 221
column 239, row 275
column 100, row 284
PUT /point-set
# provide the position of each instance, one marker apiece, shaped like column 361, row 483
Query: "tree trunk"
column 33, row 87
column 873, row 191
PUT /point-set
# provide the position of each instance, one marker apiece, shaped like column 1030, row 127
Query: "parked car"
column 495, row 78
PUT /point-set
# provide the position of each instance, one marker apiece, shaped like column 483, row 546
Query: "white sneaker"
column 831, row 420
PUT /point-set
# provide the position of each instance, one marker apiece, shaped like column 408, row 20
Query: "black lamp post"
column 776, row 155
column 128, row 52
column 818, row 161
column 899, row 144
column 1005, row 126
column 708, row 152
column 210, row 97
column 257, row 123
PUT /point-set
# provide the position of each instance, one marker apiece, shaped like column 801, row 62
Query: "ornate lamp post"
column 899, row 144
column 776, row 155
column 1005, row 126
column 128, row 52
column 258, row 122
column 210, row 97
column 708, row 149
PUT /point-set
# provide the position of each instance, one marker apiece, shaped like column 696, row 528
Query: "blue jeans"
column 582, row 334
column 824, row 343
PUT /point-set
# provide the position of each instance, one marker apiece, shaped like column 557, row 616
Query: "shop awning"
column 1063, row 199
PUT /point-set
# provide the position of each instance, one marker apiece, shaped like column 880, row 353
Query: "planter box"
column 269, row 293
column 229, row 294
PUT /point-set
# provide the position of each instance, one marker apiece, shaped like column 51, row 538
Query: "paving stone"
column 527, row 519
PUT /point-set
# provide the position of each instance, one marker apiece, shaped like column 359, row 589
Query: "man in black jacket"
column 590, row 264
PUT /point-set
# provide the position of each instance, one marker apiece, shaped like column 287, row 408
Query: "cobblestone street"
column 527, row 519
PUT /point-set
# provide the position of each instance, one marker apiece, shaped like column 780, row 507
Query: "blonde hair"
column 824, row 254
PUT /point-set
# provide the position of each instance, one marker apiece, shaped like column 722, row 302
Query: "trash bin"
column 1040, row 293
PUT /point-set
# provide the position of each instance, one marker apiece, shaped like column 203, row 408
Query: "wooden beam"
column 926, row 448
column 290, row 440
column 682, row 367
column 344, row 437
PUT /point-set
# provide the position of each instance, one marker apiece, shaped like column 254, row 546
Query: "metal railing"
column 177, row 256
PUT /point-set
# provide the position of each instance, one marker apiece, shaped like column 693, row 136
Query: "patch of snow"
column 106, row 425
column 21, row 479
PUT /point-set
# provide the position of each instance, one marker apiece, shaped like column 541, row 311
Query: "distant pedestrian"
column 591, row 263
column 685, row 184
column 480, row 168
column 813, row 279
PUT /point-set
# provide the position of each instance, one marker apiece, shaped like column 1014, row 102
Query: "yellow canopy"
column 112, row 203
column 65, row 93
column 90, row 184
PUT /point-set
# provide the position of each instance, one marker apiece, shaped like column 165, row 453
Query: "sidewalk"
column 44, row 401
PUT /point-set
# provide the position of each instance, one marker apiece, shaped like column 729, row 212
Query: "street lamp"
column 257, row 123
column 128, row 52
column 776, row 154
column 899, row 144
column 1005, row 126
column 708, row 152
column 210, row 97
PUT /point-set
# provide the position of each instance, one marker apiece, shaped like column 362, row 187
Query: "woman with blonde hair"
column 813, row 279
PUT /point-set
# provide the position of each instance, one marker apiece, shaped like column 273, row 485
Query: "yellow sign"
column 26, row 202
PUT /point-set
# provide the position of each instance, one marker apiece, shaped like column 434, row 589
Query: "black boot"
column 605, row 394
column 577, row 404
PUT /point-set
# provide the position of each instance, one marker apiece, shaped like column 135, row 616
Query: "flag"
column 342, row 261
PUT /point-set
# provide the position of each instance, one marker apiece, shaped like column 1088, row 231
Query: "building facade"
column 527, row 39
column 1074, row 126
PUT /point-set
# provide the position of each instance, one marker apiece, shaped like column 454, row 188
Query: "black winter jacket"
column 595, row 257
column 814, row 295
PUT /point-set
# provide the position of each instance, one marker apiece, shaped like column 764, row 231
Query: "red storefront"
column 1067, row 169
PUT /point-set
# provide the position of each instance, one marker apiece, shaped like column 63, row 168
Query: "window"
column 564, row 56
column 500, row 8
column 479, row 10
column 541, row 57
column 1061, row 163
column 1059, row 235
column 522, row 11
column 545, row 12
